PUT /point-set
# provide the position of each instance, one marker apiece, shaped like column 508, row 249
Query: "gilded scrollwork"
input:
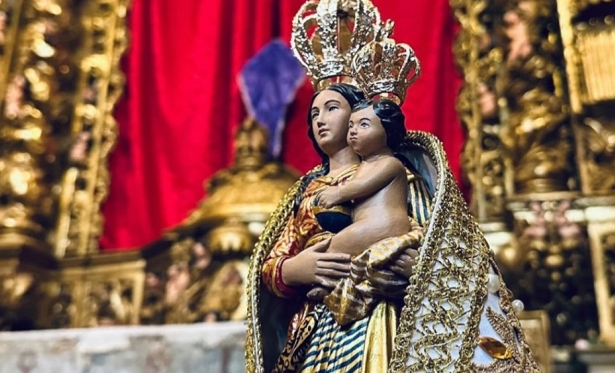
column 96, row 292
column 99, row 80
column 536, row 129
column 202, row 272
column 516, row 360
column 26, row 136
column 60, row 65
column 587, row 33
column 173, row 293
column 477, row 106
column 60, row 308
column 513, row 106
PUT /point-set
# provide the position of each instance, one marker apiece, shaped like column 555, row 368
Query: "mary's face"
column 330, row 113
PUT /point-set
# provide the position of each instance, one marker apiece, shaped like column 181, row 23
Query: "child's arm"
column 380, row 175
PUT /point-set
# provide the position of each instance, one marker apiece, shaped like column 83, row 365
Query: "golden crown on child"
column 386, row 68
column 327, row 34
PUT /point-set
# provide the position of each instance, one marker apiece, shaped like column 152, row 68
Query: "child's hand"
column 329, row 197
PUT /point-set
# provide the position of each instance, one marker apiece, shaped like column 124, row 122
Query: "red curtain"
column 182, row 104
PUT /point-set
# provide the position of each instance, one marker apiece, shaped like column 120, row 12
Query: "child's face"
column 366, row 134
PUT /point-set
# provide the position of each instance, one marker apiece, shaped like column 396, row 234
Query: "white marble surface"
column 157, row 349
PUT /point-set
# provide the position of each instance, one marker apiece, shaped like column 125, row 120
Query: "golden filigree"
column 508, row 327
column 439, row 322
column 515, row 362
column 327, row 34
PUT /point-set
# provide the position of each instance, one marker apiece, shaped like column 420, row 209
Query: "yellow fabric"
column 381, row 332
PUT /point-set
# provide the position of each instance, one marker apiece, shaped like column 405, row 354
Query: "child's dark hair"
column 353, row 95
column 392, row 119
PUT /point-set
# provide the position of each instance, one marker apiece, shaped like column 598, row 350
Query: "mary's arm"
column 290, row 242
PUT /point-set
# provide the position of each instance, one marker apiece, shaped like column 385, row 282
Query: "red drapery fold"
column 182, row 104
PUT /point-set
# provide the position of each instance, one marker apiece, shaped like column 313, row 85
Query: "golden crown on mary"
column 327, row 34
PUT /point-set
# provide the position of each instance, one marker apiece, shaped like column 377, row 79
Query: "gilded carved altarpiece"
column 537, row 104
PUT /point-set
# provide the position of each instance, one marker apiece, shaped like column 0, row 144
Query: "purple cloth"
column 268, row 84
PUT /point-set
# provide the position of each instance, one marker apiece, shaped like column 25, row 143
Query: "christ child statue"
column 379, row 195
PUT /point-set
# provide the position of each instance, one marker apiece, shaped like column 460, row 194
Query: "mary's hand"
column 404, row 265
column 314, row 266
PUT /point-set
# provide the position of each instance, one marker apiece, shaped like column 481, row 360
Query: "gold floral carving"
column 586, row 34
column 101, row 290
column 537, row 107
